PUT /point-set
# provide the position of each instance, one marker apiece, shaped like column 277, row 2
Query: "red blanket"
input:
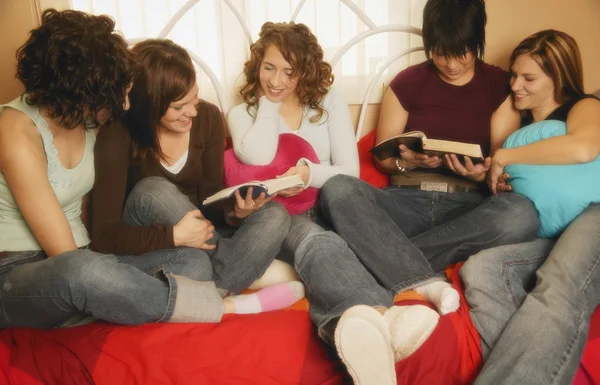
column 272, row 348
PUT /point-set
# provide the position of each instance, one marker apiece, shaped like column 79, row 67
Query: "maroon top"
column 448, row 112
column 117, row 173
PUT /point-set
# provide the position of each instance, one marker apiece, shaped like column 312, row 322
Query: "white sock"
column 277, row 272
column 441, row 294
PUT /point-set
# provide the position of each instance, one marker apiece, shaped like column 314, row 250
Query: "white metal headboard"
column 373, row 29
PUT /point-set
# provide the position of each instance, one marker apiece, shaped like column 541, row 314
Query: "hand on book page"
column 268, row 187
column 246, row 204
column 411, row 159
column 464, row 166
column 303, row 172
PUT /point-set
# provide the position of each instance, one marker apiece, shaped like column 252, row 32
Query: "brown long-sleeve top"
column 117, row 172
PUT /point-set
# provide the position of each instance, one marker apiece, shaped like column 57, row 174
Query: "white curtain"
column 211, row 31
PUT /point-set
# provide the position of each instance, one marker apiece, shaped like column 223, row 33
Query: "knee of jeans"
column 309, row 244
column 338, row 187
column 278, row 219
column 191, row 263
column 517, row 219
column 150, row 187
column 81, row 270
column 474, row 272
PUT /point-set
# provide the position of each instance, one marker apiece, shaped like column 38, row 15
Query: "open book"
column 418, row 142
column 269, row 187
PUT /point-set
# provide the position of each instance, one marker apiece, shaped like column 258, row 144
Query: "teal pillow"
column 560, row 192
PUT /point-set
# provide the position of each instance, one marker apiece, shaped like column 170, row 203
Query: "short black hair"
column 453, row 27
column 76, row 65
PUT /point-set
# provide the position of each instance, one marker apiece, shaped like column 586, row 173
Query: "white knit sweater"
column 255, row 135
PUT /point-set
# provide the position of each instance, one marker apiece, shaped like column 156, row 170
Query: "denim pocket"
column 19, row 258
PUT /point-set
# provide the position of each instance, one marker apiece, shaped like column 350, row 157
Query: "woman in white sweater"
column 288, row 90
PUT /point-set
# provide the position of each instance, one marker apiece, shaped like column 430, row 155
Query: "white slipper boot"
column 362, row 340
column 410, row 326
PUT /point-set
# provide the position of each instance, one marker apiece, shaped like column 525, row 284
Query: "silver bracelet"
column 400, row 168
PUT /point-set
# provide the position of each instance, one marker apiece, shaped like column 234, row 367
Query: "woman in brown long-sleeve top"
column 155, row 167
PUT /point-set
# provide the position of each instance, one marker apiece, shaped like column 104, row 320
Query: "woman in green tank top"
column 77, row 73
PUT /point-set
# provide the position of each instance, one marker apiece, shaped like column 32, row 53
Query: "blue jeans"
column 543, row 341
column 496, row 282
column 237, row 261
column 405, row 236
column 41, row 292
column 335, row 278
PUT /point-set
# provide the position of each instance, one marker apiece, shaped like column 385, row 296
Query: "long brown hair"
column 301, row 49
column 558, row 56
column 165, row 74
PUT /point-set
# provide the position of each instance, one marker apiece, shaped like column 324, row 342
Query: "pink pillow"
column 291, row 148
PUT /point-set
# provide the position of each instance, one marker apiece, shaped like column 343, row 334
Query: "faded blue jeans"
column 542, row 340
column 237, row 261
column 373, row 258
column 405, row 236
column 334, row 277
column 41, row 292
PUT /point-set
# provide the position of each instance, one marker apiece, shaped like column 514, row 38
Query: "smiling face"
column 455, row 70
column 178, row 117
column 532, row 88
column 275, row 76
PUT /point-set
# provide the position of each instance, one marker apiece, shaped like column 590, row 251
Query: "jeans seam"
column 582, row 317
column 567, row 353
column 407, row 285
column 505, row 267
column 171, row 298
column 161, row 267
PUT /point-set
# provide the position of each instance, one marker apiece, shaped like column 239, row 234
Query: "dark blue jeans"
column 398, row 238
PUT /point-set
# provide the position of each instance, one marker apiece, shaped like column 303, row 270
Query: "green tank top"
column 69, row 185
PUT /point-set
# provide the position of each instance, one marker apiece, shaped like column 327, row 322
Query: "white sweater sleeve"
column 255, row 139
column 342, row 140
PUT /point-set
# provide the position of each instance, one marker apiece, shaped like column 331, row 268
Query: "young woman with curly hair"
column 288, row 92
column 47, row 137
column 49, row 277
column 154, row 168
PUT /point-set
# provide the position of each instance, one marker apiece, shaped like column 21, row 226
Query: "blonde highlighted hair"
column 558, row 56
column 300, row 48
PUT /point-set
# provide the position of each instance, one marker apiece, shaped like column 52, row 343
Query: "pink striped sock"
column 274, row 297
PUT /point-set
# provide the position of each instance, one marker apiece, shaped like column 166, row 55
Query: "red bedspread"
column 272, row 348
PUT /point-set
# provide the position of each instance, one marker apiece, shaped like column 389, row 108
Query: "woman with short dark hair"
column 438, row 212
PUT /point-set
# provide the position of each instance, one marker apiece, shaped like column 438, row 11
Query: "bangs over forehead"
column 451, row 28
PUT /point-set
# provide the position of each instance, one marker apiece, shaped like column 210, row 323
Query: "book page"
column 228, row 192
column 285, row 182
column 446, row 146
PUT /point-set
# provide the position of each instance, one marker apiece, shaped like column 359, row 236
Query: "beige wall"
column 17, row 18
column 510, row 21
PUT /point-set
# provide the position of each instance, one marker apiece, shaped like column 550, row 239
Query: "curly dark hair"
column 301, row 49
column 77, row 67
